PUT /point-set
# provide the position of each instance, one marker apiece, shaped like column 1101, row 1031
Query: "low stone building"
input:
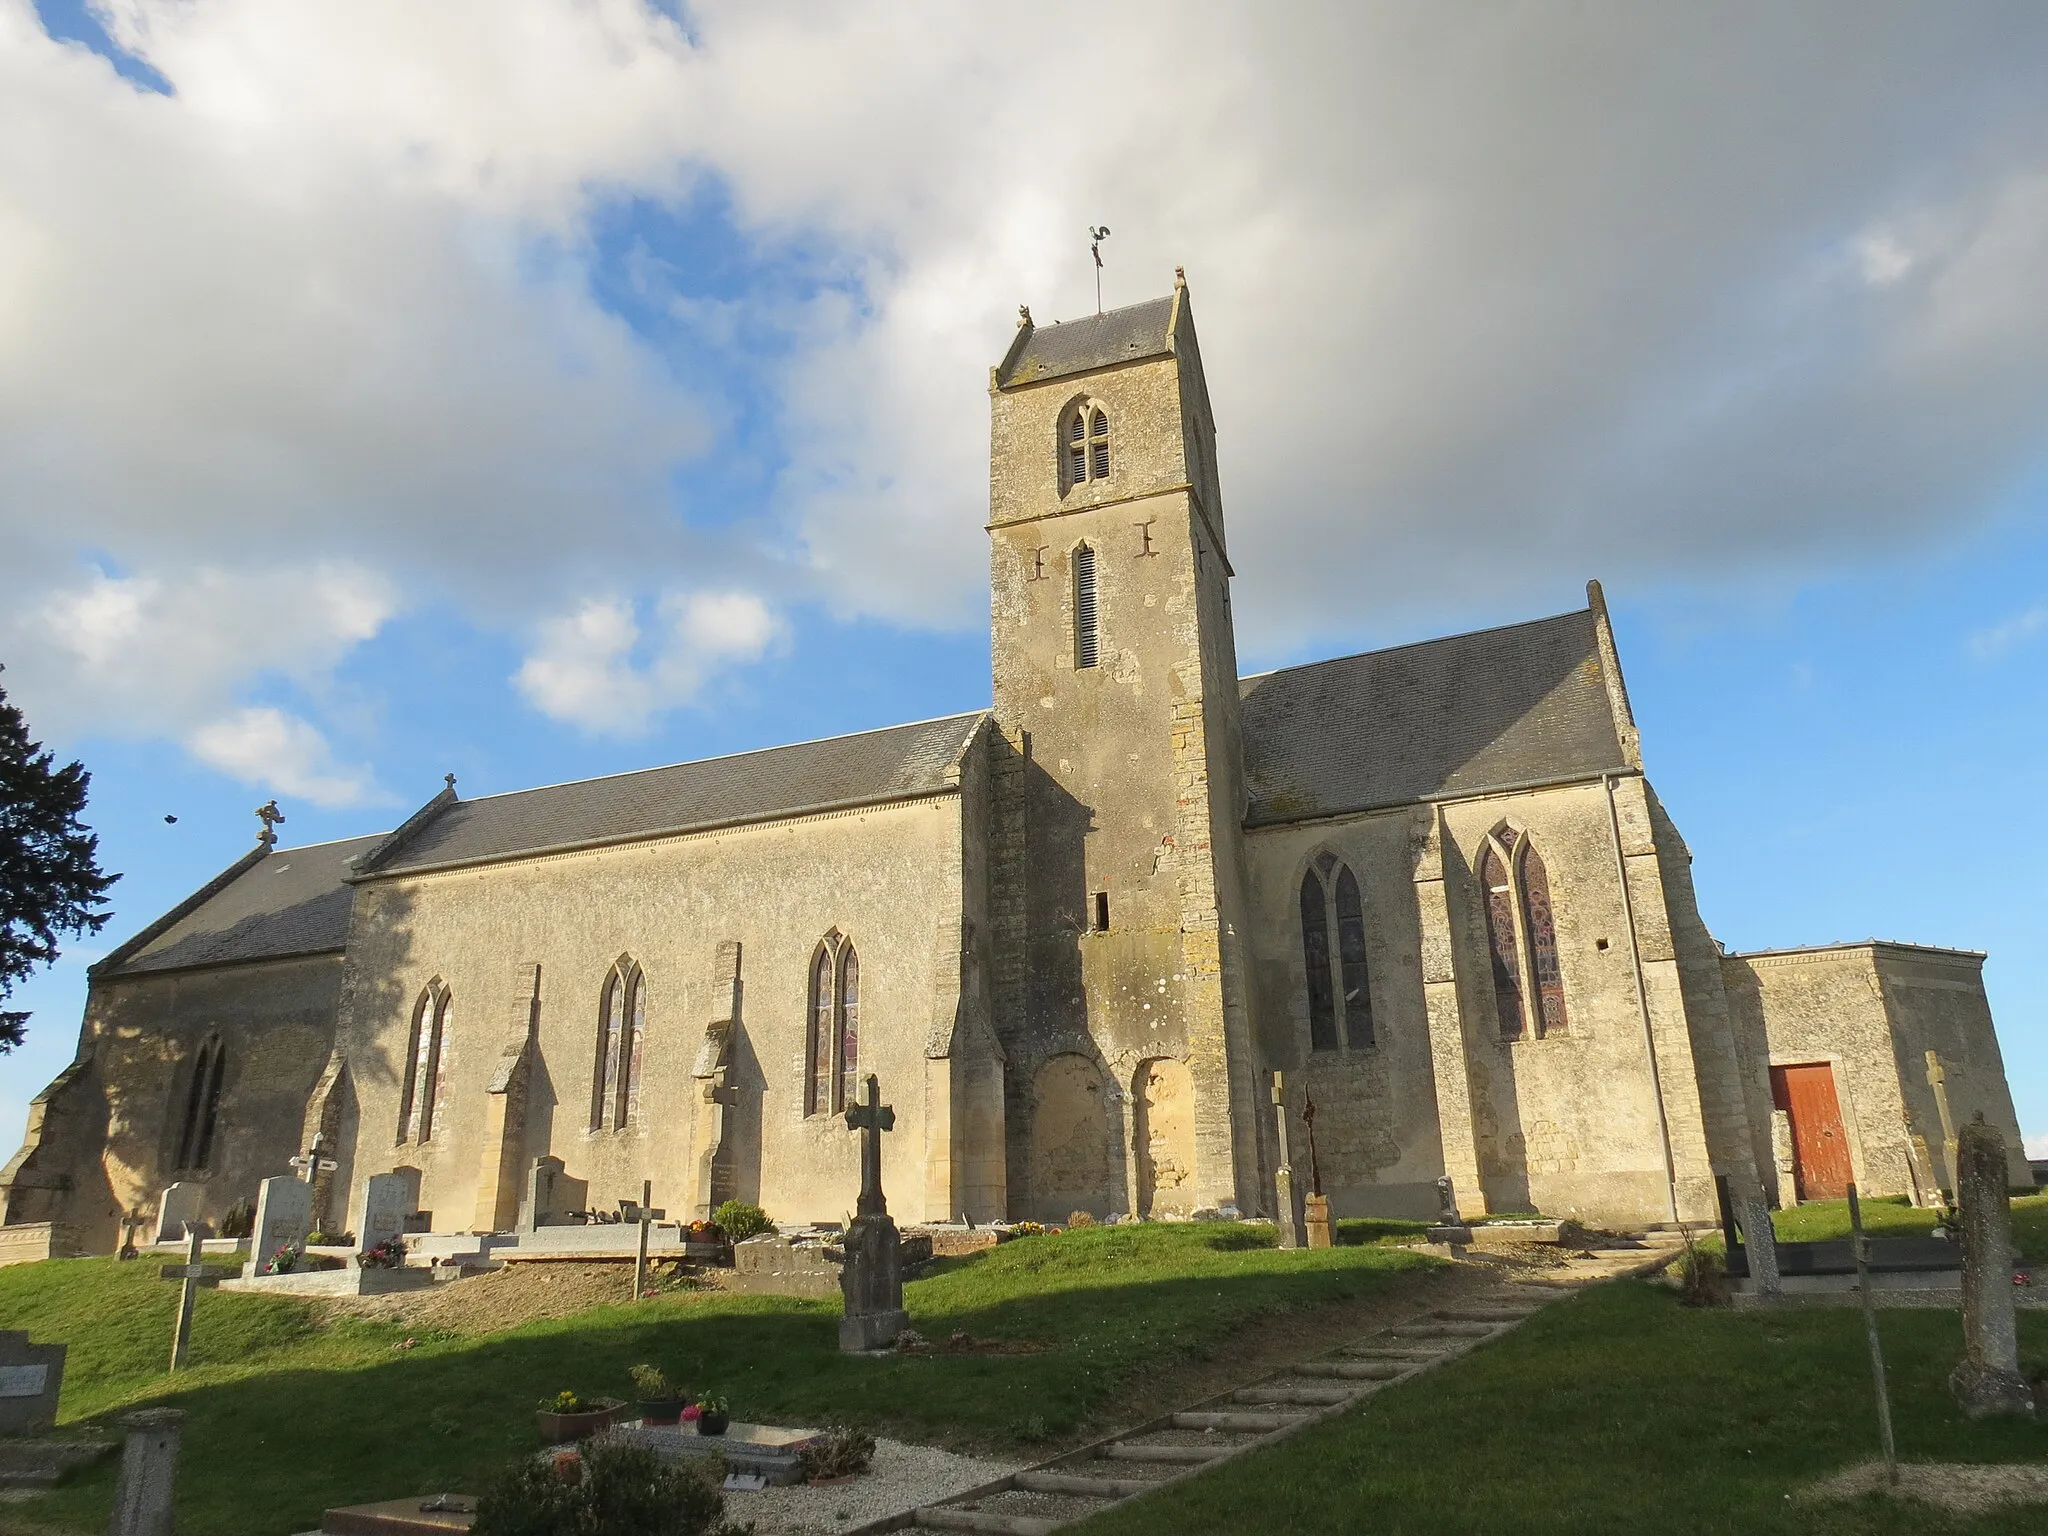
column 1073, row 934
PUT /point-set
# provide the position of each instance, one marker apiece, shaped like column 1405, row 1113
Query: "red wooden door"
column 1820, row 1148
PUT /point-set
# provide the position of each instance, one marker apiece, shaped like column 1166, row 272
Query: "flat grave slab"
column 401, row 1517
column 760, row 1449
column 335, row 1282
column 44, row 1463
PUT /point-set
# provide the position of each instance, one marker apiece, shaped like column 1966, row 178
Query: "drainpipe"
column 1635, row 961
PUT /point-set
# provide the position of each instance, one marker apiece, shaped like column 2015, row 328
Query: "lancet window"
column 432, row 1016
column 1087, row 640
column 1339, row 985
column 1521, row 935
column 832, row 1046
column 202, row 1105
column 621, row 1032
column 1084, row 445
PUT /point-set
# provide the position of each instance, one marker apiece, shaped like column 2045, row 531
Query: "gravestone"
column 1450, row 1226
column 284, row 1215
column 871, row 1276
column 175, row 1207
column 1988, row 1381
column 1286, row 1204
column 1760, row 1241
column 387, row 1200
column 149, row 1473
column 30, row 1377
column 551, row 1196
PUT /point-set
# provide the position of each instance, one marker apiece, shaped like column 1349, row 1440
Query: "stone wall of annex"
column 890, row 878
column 108, row 1136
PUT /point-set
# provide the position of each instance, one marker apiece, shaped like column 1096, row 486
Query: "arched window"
column 202, row 1105
column 621, row 1032
column 431, row 1017
column 1084, row 445
column 1521, row 931
column 1338, row 982
column 832, row 1044
column 1087, row 643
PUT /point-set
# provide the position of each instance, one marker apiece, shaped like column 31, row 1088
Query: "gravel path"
column 902, row 1477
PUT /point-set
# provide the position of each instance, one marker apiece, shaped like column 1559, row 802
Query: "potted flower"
column 285, row 1260
column 389, row 1254
column 661, row 1400
column 713, row 1416
column 565, row 1416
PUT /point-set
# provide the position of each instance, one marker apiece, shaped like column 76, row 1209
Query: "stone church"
column 1074, row 935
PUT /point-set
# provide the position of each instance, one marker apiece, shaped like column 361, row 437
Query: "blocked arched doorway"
column 1163, row 1136
column 1073, row 1143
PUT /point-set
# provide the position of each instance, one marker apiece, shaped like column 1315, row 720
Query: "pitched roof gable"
column 1523, row 704
column 1100, row 341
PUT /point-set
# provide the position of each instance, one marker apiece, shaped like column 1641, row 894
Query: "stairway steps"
column 1442, row 1331
column 1186, row 1455
column 1343, row 1370
column 1240, row 1423
column 1315, row 1397
column 940, row 1517
column 1085, row 1487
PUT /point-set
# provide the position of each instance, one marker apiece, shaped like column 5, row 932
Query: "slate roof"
column 1522, row 704
column 872, row 767
column 293, row 901
column 1099, row 341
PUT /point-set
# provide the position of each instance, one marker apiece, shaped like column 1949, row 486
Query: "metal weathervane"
column 1095, row 238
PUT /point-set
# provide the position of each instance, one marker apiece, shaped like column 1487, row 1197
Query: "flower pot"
column 661, row 1410
column 558, row 1427
column 714, row 1423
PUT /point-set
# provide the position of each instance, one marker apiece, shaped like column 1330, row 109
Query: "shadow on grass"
column 271, row 1441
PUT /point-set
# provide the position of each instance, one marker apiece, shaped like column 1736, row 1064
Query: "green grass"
column 1821, row 1220
column 1621, row 1410
column 287, row 1416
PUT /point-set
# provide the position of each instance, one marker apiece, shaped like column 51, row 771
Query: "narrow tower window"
column 1087, row 645
column 1102, row 911
column 1084, row 445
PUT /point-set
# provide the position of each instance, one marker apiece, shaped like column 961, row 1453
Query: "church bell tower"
column 1117, row 890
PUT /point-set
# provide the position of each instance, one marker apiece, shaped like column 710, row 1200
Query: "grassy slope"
column 1824, row 1219
column 287, row 1416
column 1620, row 1410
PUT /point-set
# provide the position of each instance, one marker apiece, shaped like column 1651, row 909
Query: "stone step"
column 1363, row 1370
column 1086, row 1487
column 938, row 1517
column 1414, row 1355
column 1484, row 1314
column 1131, row 1450
column 1316, row 1397
column 1442, row 1331
column 1241, row 1423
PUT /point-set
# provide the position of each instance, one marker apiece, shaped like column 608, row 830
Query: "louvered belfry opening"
column 1098, row 435
column 1087, row 644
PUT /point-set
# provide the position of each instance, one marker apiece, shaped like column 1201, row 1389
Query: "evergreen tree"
column 50, row 878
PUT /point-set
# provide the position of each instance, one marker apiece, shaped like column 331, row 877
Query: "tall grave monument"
column 871, row 1276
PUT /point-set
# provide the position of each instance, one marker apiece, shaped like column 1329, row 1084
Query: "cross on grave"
column 314, row 1161
column 871, row 1119
column 871, row 1260
column 1287, row 1213
column 1937, row 1079
column 194, row 1274
column 1315, row 1164
column 1320, row 1231
column 129, row 1223
column 645, row 1214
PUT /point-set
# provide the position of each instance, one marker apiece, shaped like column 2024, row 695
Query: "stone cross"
column 129, row 1223
column 1988, row 1381
column 871, row 1257
column 270, row 816
column 644, row 1214
column 1315, row 1163
column 1320, row 1230
column 314, row 1161
column 1286, row 1222
column 31, row 1375
column 871, row 1119
column 194, row 1274
column 1937, row 1079
column 149, row 1472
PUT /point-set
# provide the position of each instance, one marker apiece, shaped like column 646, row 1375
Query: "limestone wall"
column 107, row 1139
column 889, row 878
column 1935, row 1000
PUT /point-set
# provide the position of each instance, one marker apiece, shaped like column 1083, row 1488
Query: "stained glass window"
column 1351, row 962
column 1315, row 955
column 1501, row 940
column 1542, row 944
column 849, row 1027
column 611, row 1033
column 819, row 1091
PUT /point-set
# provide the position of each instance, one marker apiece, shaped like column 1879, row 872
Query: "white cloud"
column 282, row 752
column 2037, row 1146
column 591, row 668
column 1488, row 304
column 1994, row 642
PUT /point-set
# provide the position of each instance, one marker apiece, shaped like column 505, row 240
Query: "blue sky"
column 532, row 391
